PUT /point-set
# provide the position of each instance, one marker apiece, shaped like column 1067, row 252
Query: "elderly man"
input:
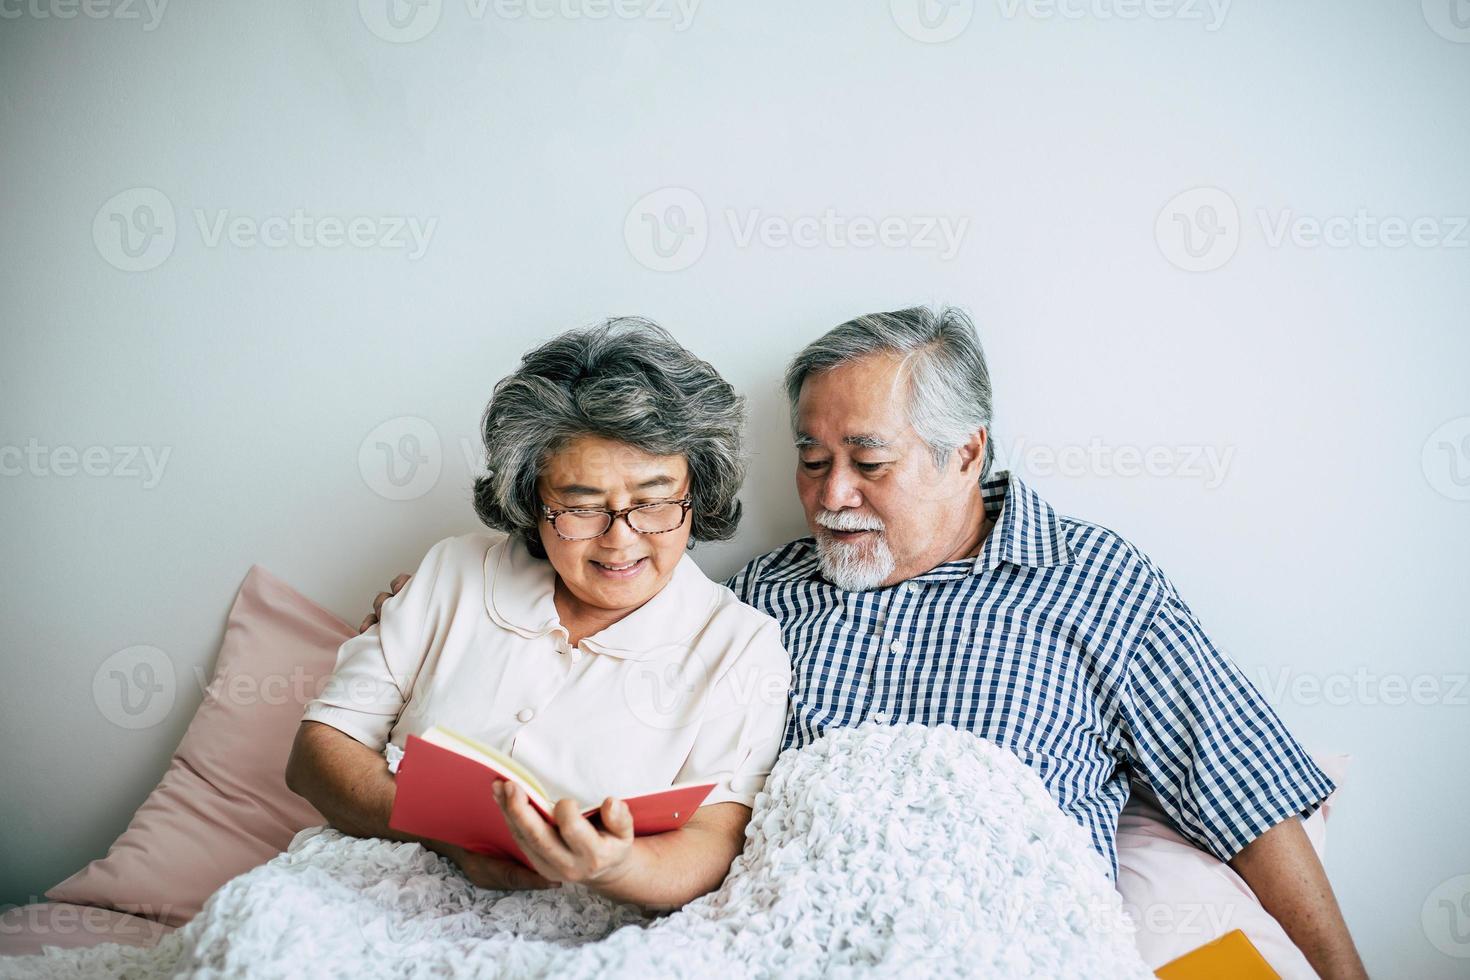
column 934, row 591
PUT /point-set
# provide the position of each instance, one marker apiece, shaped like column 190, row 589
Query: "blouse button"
column 525, row 715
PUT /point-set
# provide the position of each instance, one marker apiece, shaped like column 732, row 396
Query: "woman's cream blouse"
column 690, row 686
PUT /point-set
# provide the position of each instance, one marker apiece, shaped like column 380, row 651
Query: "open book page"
column 444, row 791
column 490, row 756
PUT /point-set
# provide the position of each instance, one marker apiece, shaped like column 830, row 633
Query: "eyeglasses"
column 582, row 524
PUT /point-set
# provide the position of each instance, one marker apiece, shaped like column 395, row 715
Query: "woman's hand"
column 485, row 871
column 572, row 849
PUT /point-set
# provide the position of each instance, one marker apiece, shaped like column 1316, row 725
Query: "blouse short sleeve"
column 744, row 719
column 376, row 670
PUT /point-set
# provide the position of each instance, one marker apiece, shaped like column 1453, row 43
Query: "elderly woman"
column 582, row 641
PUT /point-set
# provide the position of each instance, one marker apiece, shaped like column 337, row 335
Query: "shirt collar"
column 1027, row 531
column 519, row 590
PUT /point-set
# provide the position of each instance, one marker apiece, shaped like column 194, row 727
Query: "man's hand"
column 572, row 849
column 394, row 587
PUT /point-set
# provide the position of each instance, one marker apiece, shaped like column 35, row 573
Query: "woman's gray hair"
column 626, row 379
column 948, row 380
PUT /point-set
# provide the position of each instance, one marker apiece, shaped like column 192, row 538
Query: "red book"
column 443, row 793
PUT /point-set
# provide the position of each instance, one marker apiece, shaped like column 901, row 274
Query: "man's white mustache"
column 841, row 521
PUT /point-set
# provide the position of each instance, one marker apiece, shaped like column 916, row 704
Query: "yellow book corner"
column 1231, row 957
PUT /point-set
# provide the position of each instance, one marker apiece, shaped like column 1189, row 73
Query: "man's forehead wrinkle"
column 863, row 440
column 870, row 414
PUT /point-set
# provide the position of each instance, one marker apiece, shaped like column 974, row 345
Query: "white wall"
column 1331, row 548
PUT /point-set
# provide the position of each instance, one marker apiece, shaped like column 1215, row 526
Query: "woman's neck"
column 579, row 619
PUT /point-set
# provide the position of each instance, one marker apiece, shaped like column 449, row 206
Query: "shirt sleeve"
column 376, row 670
column 740, row 735
column 1221, row 762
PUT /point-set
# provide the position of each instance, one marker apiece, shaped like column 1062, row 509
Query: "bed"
column 221, row 813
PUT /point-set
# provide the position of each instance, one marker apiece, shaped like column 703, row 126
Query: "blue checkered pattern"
column 1061, row 642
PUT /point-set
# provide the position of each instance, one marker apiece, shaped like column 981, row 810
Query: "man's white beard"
column 855, row 567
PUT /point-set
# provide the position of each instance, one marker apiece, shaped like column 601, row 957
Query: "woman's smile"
column 621, row 570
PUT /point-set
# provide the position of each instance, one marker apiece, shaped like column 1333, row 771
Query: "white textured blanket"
column 925, row 851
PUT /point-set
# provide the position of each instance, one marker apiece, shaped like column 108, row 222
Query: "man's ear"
column 972, row 453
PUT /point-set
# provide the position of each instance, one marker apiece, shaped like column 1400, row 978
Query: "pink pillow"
column 1181, row 897
column 222, row 807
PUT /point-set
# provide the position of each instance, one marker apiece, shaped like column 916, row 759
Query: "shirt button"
column 881, row 717
column 525, row 715
column 896, row 646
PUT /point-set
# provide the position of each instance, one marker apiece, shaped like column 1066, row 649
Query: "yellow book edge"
column 473, row 749
column 464, row 745
column 1231, row 957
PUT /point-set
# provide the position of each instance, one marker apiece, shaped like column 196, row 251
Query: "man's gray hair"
column 948, row 381
column 626, row 379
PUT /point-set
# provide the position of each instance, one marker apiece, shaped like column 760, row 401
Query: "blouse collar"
column 519, row 590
